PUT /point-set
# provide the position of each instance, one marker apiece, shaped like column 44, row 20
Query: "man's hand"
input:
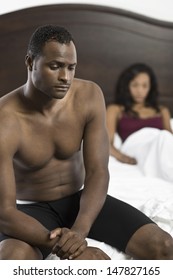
column 69, row 245
column 92, row 253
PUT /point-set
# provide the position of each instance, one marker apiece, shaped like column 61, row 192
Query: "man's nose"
column 63, row 75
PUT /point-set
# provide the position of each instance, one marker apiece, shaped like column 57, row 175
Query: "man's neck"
column 40, row 102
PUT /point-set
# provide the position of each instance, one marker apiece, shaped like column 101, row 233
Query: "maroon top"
column 129, row 124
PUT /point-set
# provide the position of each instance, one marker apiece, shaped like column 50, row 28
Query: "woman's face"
column 139, row 88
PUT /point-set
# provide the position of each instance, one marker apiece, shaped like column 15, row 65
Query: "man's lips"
column 61, row 87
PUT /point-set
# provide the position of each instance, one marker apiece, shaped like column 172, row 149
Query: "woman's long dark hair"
column 123, row 96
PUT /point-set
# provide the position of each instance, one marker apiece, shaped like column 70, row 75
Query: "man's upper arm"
column 8, row 146
column 96, row 144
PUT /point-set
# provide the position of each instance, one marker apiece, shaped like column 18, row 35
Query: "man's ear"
column 28, row 62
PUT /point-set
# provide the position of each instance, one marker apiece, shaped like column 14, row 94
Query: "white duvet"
column 149, row 185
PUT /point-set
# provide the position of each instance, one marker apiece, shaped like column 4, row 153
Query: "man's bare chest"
column 40, row 142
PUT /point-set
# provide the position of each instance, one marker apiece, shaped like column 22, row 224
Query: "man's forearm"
column 92, row 199
column 23, row 227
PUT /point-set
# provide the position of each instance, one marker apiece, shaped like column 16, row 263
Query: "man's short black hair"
column 47, row 33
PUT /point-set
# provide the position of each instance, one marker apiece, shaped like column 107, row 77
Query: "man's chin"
column 59, row 95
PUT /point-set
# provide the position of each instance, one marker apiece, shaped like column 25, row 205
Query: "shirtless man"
column 54, row 160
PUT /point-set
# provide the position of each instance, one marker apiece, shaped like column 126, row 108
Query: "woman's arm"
column 113, row 114
column 166, row 115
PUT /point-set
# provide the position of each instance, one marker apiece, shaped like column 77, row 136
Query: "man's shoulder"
column 7, row 107
column 90, row 97
column 9, row 98
column 87, row 90
column 82, row 83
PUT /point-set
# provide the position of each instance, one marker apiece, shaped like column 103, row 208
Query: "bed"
column 107, row 40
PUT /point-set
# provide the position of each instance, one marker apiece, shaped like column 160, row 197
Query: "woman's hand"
column 125, row 159
column 70, row 243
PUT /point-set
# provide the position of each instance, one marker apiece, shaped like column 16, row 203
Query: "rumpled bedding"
column 153, row 149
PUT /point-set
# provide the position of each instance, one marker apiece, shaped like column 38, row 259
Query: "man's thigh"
column 117, row 222
column 53, row 214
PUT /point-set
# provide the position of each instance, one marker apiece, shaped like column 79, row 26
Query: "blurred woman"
column 140, row 121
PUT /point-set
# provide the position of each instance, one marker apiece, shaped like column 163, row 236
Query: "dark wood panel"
column 107, row 40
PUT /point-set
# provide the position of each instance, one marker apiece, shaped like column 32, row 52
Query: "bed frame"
column 107, row 40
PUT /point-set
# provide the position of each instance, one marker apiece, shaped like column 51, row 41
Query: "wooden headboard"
column 107, row 41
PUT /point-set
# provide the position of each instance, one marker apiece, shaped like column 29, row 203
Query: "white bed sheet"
column 151, row 195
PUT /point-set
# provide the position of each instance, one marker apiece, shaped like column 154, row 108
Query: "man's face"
column 53, row 71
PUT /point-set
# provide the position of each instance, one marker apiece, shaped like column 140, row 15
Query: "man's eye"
column 72, row 68
column 54, row 67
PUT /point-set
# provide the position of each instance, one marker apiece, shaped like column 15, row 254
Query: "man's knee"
column 150, row 242
column 13, row 249
column 163, row 246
